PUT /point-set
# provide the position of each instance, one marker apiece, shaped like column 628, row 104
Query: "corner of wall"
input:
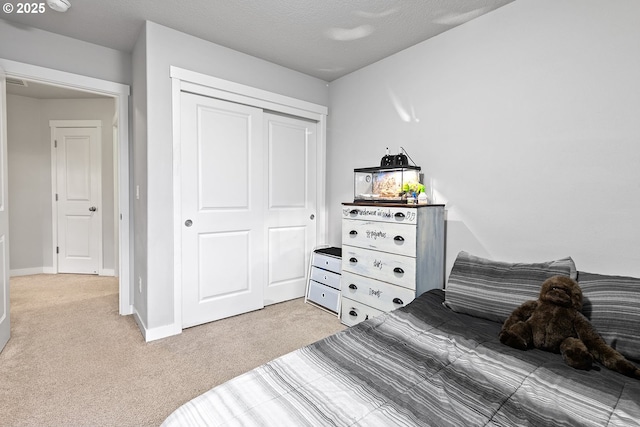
column 138, row 191
column 153, row 334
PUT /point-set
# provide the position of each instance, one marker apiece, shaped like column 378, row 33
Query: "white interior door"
column 78, row 197
column 5, row 327
column 291, row 204
column 222, row 202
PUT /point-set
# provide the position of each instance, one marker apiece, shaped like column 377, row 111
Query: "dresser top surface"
column 392, row 205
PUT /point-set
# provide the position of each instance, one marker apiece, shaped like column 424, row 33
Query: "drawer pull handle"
column 353, row 313
column 397, row 301
column 352, row 259
column 353, row 233
column 354, row 211
column 399, row 239
column 398, row 270
column 352, row 286
column 399, row 215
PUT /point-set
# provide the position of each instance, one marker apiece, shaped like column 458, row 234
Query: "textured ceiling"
column 322, row 38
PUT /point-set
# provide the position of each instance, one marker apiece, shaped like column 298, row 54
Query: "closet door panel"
column 223, row 208
column 291, row 204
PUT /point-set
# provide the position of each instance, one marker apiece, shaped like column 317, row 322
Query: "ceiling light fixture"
column 59, row 5
column 346, row 34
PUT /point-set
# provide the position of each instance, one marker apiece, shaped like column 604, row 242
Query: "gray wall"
column 29, row 188
column 526, row 124
column 29, row 158
column 50, row 50
column 138, row 175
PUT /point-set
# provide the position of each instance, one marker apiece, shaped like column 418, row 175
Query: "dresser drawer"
column 387, row 237
column 354, row 312
column 325, row 277
column 324, row 296
column 381, row 214
column 396, row 269
column 327, row 262
column 374, row 293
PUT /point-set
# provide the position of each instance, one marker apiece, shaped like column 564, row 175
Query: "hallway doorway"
column 118, row 122
column 39, row 144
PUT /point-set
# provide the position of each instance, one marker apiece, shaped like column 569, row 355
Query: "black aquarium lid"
column 387, row 168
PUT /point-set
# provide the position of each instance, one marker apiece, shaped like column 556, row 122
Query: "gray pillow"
column 612, row 304
column 493, row 289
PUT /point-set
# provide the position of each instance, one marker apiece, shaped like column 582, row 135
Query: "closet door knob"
column 93, row 209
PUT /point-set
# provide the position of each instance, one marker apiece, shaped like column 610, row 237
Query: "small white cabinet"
column 323, row 287
column 391, row 253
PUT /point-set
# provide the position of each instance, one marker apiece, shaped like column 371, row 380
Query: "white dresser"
column 391, row 253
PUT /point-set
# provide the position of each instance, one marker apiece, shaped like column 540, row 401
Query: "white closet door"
column 222, row 196
column 291, row 204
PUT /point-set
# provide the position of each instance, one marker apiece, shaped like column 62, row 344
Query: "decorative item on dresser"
column 323, row 286
column 392, row 253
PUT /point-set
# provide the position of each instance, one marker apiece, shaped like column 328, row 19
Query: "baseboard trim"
column 127, row 311
column 26, row 271
column 49, row 270
column 153, row 334
column 139, row 322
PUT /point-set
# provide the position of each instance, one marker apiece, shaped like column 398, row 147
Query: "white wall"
column 163, row 48
column 29, row 159
column 527, row 123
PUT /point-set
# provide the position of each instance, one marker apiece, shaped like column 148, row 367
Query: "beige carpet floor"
column 73, row 361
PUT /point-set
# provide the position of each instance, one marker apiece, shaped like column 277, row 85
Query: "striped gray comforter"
column 419, row 365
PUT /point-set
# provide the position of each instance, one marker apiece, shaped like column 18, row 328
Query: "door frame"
column 5, row 305
column 183, row 80
column 53, row 124
column 120, row 93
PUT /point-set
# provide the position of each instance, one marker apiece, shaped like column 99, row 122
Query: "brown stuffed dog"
column 554, row 323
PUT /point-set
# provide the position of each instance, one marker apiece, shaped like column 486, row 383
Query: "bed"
column 428, row 363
